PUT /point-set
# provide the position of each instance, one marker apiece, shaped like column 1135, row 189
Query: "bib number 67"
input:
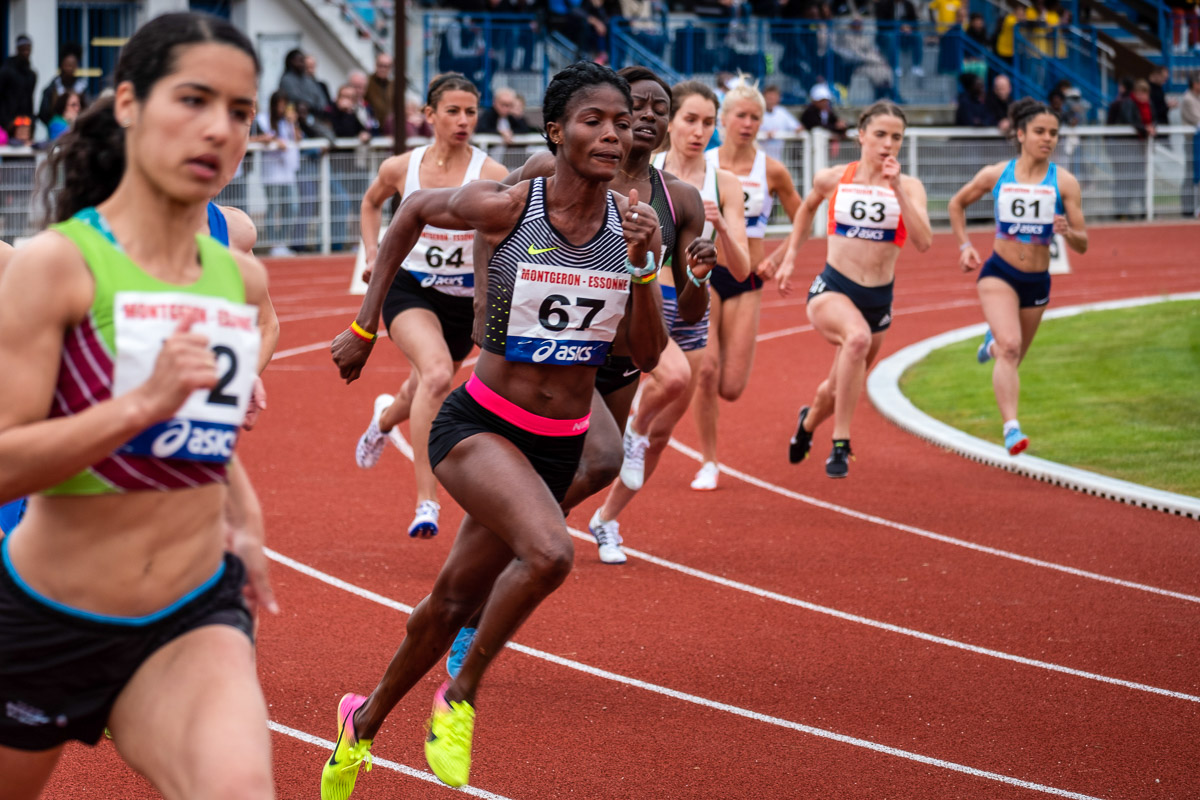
column 553, row 314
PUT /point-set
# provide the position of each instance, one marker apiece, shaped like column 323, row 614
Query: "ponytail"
column 86, row 164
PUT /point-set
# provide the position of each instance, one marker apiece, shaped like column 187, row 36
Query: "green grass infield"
column 1114, row 392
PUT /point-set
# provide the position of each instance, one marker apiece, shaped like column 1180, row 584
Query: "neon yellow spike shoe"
column 341, row 770
column 448, row 746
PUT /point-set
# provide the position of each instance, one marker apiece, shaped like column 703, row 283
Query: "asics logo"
column 857, row 232
column 428, row 280
column 543, row 352
column 1017, row 228
column 533, row 251
column 169, row 442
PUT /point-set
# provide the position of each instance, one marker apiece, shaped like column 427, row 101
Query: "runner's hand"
column 1061, row 226
column 350, row 352
column 638, row 223
column 185, row 363
column 701, row 257
column 245, row 540
column 366, row 276
column 712, row 213
column 891, row 172
column 969, row 259
column 258, row 404
column 784, row 275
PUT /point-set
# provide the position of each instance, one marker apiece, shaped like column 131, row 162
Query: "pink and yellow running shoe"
column 349, row 753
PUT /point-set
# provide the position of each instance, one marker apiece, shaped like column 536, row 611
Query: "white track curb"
column 883, row 387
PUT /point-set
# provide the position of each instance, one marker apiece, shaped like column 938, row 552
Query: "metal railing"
column 1122, row 176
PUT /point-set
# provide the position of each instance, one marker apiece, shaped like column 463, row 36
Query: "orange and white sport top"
column 861, row 211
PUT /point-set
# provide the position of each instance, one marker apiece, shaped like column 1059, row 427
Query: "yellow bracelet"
column 358, row 331
column 643, row 281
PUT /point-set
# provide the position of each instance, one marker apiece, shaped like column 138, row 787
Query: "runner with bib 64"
column 507, row 444
column 873, row 210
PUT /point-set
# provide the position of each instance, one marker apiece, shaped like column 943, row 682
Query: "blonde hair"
column 744, row 88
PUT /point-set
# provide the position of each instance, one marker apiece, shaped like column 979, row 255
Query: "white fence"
column 1122, row 177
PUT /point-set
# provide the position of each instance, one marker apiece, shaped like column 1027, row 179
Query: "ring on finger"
column 634, row 217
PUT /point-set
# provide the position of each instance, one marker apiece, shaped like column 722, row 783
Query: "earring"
column 125, row 123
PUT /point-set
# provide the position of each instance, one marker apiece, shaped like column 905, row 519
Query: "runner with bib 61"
column 873, row 210
column 1034, row 200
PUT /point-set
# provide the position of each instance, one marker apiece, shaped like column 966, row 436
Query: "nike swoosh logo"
column 533, row 251
column 629, row 372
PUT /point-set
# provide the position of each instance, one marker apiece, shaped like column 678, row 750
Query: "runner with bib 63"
column 873, row 210
column 567, row 258
column 1034, row 200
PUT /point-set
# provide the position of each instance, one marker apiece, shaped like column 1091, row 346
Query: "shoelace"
column 428, row 508
column 457, row 726
column 357, row 753
column 635, row 449
column 608, row 534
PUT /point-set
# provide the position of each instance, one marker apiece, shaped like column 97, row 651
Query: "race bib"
column 866, row 212
column 1026, row 210
column 206, row 427
column 444, row 260
column 564, row 315
column 754, row 198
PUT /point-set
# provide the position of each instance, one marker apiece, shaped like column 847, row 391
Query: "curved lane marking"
column 695, row 699
column 883, row 387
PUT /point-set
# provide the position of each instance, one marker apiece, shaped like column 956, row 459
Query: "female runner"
column 118, row 606
column 666, row 395
column 428, row 309
column 567, row 257
column 1034, row 200
column 733, row 326
column 11, row 512
column 874, row 208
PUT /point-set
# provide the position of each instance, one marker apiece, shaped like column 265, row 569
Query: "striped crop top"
column 552, row 302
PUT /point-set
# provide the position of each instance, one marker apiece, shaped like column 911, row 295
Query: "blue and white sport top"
column 1025, row 211
column 443, row 259
column 552, row 302
column 756, row 196
column 218, row 228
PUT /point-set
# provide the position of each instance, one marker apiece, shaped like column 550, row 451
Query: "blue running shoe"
column 458, row 651
column 982, row 355
column 1015, row 441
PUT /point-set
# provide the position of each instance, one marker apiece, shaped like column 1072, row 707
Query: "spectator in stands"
column 280, row 163
column 1189, row 113
column 972, row 110
column 357, row 81
column 379, row 92
column 950, row 34
column 854, row 51
column 820, row 113
column 977, row 30
column 1003, row 39
column 1129, row 166
column 644, row 23
column 998, row 101
column 502, row 117
column 345, row 120
column 310, row 69
column 776, row 120
column 415, row 123
column 896, row 24
column 598, row 21
column 569, row 18
column 67, row 80
column 301, row 89
column 1123, row 90
column 17, row 83
column 22, row 136
column 66, row 108
column 1159, row 104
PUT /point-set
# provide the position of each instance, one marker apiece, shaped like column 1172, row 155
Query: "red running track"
column 928, row 628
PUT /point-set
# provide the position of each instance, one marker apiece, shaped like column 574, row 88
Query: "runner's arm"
column 732, row 249
column 1071, row 226
column 391, row 176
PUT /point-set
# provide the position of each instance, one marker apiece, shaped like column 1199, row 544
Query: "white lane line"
column 318, row 314
column 695, row 699
column 404, row 447
column 403, row 769
column 937, row 537
column 311, row 348
column 887, row 626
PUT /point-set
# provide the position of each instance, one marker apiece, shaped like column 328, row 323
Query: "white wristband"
column 962, row 247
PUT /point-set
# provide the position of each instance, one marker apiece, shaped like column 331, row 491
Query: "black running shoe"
column 838, row 463
column 802, row 442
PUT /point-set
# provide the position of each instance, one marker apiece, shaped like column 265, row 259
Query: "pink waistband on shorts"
column 526, row 421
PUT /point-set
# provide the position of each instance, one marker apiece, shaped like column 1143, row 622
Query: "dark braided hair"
column 1022, row 111
column 448, row 82
column 638, row 73
column 569, row 82
column 89, row 160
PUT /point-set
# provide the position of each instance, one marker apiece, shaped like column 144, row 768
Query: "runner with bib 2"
column 873, row 210
column 428, row 310
column 1034, row 199
column 568, row 258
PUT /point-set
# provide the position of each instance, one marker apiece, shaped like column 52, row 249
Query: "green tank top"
column 88, row 369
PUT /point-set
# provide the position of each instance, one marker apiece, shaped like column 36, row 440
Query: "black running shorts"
column 456, row 314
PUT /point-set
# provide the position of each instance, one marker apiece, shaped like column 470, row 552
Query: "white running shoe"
column 633, row 468
column 370, row 444
column 608, row 538
column 425, row 521
column 706, row 478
